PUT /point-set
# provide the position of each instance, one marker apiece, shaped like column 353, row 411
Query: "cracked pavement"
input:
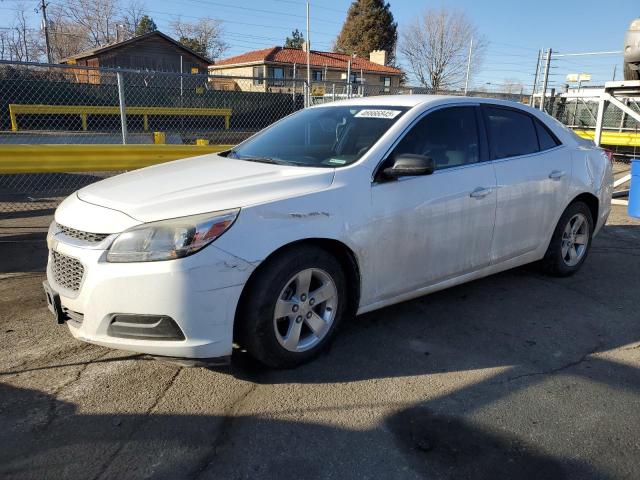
column 514, row 376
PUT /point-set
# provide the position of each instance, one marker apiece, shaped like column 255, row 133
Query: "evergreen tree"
column 369, row 26
column 195, row 45
column 296, row 40
column 145, row 25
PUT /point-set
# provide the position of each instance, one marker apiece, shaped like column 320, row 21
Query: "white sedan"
column 333, row 211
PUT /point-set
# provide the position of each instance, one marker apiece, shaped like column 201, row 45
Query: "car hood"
column 202, row 184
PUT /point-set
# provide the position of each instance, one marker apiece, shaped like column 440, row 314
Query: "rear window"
column 546, row 139
column 511, row 133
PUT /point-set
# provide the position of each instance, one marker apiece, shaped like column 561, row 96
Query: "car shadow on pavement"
column 25, row 252
column 71, row 444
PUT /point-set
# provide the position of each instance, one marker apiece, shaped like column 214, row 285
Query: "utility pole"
column 45, row 25
column 308, row 60
column 466, row 81
column 535, row 79
column 547, row 64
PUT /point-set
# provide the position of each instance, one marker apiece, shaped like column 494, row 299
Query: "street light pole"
column 466, row 81
column 545, row 82
column 45, row 25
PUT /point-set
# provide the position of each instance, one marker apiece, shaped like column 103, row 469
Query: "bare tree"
column 97, row 18
column 511, row 85
column 203, row 36
column 66, row 37
column 436, row 46
column 19, row 41
column 131, row 16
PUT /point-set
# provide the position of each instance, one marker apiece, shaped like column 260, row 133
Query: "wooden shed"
column 152, row 51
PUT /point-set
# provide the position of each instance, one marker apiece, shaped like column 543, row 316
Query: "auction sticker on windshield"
column 377, row 113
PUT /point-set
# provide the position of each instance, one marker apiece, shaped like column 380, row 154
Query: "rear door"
column 533, row 172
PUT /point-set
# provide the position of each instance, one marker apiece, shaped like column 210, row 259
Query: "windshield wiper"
column 270, row 160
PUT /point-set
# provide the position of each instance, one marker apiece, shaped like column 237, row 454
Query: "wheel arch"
column 591, row 201
column 342, row 252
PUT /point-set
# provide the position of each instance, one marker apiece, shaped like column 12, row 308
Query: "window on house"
column 257, row 75
column 277, row 73
column 316, row 75
column 386, row 83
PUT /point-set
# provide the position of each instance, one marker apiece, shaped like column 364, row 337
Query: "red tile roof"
column 318, row 59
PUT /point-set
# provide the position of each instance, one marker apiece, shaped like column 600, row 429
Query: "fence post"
column 123, row 111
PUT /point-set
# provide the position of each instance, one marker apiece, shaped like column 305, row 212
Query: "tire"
column 570, row 243
column 629, row 73
column 279, row 283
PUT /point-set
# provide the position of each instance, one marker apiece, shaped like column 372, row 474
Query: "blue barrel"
column 634, row 190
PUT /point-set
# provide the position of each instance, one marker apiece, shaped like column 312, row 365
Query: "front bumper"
column 200, row 293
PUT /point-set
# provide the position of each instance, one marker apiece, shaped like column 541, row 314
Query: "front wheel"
column 571, row 241
column 290, row 310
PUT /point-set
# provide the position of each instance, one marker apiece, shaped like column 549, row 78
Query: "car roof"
column 414, row 100
column 422, row 100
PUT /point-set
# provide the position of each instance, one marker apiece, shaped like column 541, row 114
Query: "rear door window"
column 511, row 133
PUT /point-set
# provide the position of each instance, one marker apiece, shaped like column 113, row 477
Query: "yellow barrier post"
column 159, row 138
column 227, row 122
column 14, row 120
column 83, row 116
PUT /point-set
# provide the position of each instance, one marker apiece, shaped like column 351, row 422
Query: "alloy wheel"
column 305, row 310
column 575, row 239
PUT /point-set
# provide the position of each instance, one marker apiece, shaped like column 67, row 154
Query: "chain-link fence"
column 621, row 129
column 72, row 104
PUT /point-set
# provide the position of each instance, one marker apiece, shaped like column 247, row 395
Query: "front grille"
column 67, row 272
column 80, row 235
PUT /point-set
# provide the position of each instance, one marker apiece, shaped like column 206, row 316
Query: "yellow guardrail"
column 93, row 158
column 84, row 111
column 620, row 139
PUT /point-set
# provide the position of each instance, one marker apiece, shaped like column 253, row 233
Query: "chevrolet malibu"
column 333, row 211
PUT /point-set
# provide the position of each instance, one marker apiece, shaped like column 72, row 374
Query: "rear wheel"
column 571, row 241
column 290, row 310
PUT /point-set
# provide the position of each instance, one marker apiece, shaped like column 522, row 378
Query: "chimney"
column 305, row 46
column 379, row 57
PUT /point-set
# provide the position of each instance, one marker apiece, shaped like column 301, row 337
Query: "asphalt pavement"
column 518, row 375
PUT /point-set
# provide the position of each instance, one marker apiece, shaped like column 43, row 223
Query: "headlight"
column 169, row 239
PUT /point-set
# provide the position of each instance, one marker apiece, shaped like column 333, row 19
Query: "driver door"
column 435, row 227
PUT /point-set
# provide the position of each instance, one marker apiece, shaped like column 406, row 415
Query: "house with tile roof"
column 275, row 68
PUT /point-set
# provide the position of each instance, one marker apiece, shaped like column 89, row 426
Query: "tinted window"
column 511, row 133
column 545, row 138
column 449, row 136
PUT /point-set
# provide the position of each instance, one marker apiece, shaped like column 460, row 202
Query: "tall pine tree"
column 369, row 26
column 145, row 25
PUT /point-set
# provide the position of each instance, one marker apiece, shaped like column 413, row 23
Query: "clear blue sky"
column 515, row 29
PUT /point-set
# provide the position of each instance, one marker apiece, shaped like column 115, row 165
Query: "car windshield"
column 332, row 136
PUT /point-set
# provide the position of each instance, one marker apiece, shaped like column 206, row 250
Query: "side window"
column 546, row 139
column 511, row 133
column 449, row 136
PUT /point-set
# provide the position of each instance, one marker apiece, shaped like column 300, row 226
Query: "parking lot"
column 514, row 376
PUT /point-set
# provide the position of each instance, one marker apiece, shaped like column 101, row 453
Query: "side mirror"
column 410, row 164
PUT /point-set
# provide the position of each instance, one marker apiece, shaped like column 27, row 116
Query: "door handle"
column 556, row 175
column 480, row 192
